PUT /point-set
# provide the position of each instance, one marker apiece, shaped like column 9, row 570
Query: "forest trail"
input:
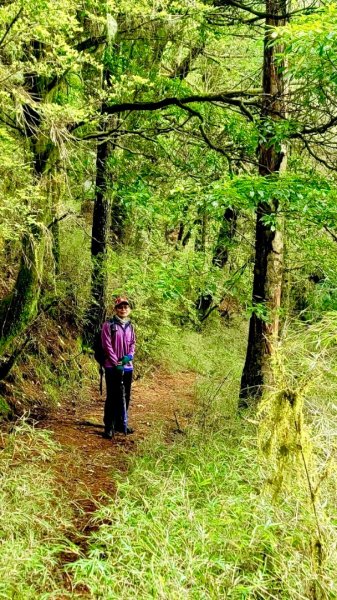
column 86, row 463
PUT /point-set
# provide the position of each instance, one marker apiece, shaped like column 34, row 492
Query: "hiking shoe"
column 108, row 434
column 126, row 431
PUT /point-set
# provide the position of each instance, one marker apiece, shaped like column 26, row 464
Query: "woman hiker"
column 118, row 342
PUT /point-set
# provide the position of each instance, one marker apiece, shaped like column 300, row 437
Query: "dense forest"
column 182, row 154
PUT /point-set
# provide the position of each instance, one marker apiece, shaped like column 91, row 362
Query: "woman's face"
column 123, row 310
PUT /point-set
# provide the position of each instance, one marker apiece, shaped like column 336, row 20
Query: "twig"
column 319, row 543
column 9, row 27
column 333, row 235
column 58, row 219
column 215, row 395
column 178, row 430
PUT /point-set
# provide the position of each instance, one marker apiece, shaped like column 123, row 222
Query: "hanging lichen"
column 285, row 445
column 283, row 438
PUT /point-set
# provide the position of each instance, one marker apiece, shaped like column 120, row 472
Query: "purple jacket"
column 121, row 342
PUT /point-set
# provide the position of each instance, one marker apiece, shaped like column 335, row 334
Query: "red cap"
column 121, row 300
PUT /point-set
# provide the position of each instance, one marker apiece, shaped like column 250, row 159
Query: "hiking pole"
column 101, row 380
column 125, row 414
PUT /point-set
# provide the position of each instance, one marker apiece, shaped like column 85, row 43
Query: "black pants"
column 118, row 391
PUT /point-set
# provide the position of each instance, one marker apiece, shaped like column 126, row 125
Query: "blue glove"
column 119, row 368
column 126, row 359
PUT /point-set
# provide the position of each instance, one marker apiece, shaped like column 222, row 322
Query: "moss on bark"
column 20, row 306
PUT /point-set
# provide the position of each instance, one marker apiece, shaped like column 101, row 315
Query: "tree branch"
column 212, row 146
column 181, row 70
column 11, row 24
column 333, row 235
column 58, row 219
column 319, row 129
column 233, row 98
column 264, row 15
column 92, row 42
column 314, row 155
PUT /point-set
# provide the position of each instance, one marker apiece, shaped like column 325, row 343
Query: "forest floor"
column 87, row 463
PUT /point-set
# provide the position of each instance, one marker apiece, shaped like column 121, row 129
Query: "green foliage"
column 35, row 516
column 161, row 288
column 190, row 522
column 311, row 50
column 312, row 194
column 20, row 198
column 73, row 283
column 185, row 349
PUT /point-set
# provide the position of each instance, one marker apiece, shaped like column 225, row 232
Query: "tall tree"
column 268, row 266
column 99, row 237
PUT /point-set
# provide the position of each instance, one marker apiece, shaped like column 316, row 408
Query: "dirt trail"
column 87, row 462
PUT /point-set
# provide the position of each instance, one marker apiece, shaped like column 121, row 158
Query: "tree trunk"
column 268, row 268
column 19, row 307
column 200, row 238
column 96, row 311
column 204, row 301
column 118, row 218
column 54, row 195
column 100, row 225
column 225, row 237
column 183, row 235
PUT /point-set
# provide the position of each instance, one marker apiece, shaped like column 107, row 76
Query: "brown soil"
column 87, row 462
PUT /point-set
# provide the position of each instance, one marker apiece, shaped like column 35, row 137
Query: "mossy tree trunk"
column 55, row 185
column 20, row 306
column 99, row 237
column 268, row 267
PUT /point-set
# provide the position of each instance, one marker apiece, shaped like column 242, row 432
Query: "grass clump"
column 35, row 516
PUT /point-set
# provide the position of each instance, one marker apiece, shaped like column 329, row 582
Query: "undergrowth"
column 35, row 516
column 192, row 522
column 196, row 520
column 54, row 370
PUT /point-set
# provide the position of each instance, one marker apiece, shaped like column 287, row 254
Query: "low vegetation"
column 206, row 517
column 36, row 516
column 202, row 516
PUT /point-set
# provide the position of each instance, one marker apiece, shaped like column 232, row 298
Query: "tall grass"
column 35, row 517
column 195, row 520
column 191, row 522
